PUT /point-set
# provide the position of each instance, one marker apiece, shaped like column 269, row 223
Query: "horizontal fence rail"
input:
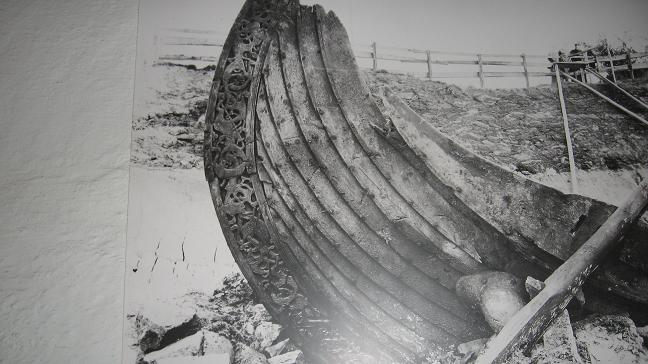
column 438, row 64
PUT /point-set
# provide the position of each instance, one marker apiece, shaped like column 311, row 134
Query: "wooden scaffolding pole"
column 570, row 150
column 604, row 79
column 617, row 105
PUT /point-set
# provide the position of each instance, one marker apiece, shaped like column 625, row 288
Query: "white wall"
column 66, row 81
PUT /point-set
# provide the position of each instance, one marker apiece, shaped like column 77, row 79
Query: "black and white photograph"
column 397, row 182
column 324, row 181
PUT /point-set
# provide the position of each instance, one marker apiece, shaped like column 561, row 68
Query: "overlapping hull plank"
column 544, row 225
column 343, row 228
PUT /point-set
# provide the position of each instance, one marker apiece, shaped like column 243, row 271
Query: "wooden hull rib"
column 343, row 229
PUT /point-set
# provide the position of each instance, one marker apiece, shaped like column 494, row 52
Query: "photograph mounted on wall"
column 412, row 182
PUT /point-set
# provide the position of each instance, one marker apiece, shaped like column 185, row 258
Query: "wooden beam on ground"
column 570, row 149
column 616, row 104
column 528, row 324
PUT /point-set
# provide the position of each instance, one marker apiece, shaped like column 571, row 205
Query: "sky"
column 452, row 25
column 476, row 26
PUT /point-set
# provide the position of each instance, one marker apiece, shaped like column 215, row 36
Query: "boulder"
column 189, row 346
column 609, row 339
column 152, row 336
column 216, row 344
column 293, row 357
column 499, row 295
column 498, row 304
column 247, row 355
column 265, row 334
column 149, row 334
column 473, row 346
column 203, row 343
column 277, row 348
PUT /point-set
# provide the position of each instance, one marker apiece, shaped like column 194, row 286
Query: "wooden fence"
column 435, row 64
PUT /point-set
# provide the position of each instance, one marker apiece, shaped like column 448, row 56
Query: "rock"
column 522, row 157
column 470, row 287
column 643, row 332
column 293, row 357
column 266, row 333
column 559, row 341
column 259, row 313
column 154, row 336
column 609, row 339
column 247, row 355
column 216, row 344
column 189, row 346
column 149, row 334
column 276, row 349
column 485, row 99
column 204, row 343
column 498, row 304
column 472, row 346
column 499, row 295
column 206, row 359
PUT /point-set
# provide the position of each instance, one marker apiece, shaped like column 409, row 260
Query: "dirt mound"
column 519, row 129
column 523, row 129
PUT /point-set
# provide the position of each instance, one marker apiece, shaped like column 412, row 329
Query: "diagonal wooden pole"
column 616, row 104
column 528, row 324
column 602, row 78
column 570, row 149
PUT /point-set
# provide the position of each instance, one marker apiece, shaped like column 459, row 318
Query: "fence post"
column 584, row 74
column 374, row 55
column 629, row 61
column 429, row 64
column 526, row 70
column 481, row 70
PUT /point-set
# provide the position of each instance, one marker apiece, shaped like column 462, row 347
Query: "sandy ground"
column 175, row 244
column 612, row 187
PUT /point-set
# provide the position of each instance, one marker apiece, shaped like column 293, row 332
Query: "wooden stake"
column 617, row 105
column 526, row 326
column 429, row 64
column 481, row 70
column 526, row 70
column 570, row 151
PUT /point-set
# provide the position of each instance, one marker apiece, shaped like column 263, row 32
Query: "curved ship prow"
column 347, row 231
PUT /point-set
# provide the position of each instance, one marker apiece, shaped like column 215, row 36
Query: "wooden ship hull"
column 352, row 228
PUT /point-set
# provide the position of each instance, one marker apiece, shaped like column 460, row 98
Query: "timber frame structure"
column 352, row 227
